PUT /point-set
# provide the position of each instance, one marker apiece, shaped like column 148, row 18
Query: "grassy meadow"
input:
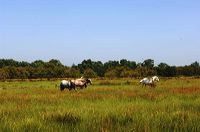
column 108, row 105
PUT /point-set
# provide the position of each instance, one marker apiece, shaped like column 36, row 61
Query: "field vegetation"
column 107, row 105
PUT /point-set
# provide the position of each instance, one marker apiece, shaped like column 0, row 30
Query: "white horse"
column 82, row 82
column 149, row 81
column 67, row 84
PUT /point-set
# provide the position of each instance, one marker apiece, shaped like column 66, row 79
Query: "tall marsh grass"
column 107, row 105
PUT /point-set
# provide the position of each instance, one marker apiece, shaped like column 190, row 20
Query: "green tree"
column 164, row 69
column 3, row 74
column 38, row 63
column 22, row 73
column 98, row 68
column 195, row 68
column 144, row 71
column 8, row 62
column 74, row 73
column 56, row 63
column 85, row 64
column 128, row 73
column 148, row 63
column 128, row 64
column 89, row 73
column 111, row 73
column 195, row 64
column 111, row 64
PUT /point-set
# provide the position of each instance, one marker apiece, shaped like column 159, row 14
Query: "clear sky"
column 73, row 30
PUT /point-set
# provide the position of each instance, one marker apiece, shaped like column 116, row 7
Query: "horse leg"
column 70, row 89
column 75, row 88
column 152, row 85
column 62, row 87
column 149, row 85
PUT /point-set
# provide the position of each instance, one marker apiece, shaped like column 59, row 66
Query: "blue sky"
column 73, row 30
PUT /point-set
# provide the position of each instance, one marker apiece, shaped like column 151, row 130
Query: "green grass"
column 107, row 105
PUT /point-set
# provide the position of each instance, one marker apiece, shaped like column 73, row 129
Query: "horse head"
column 155, row 79
column 88, row 80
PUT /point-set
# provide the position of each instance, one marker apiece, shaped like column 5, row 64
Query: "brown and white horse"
column 82, row 82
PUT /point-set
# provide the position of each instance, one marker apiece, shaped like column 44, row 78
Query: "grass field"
column 107, row 105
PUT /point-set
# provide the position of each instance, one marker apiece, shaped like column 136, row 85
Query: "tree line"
column 12, row 69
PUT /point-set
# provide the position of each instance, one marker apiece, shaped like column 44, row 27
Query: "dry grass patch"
column 186, row 90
